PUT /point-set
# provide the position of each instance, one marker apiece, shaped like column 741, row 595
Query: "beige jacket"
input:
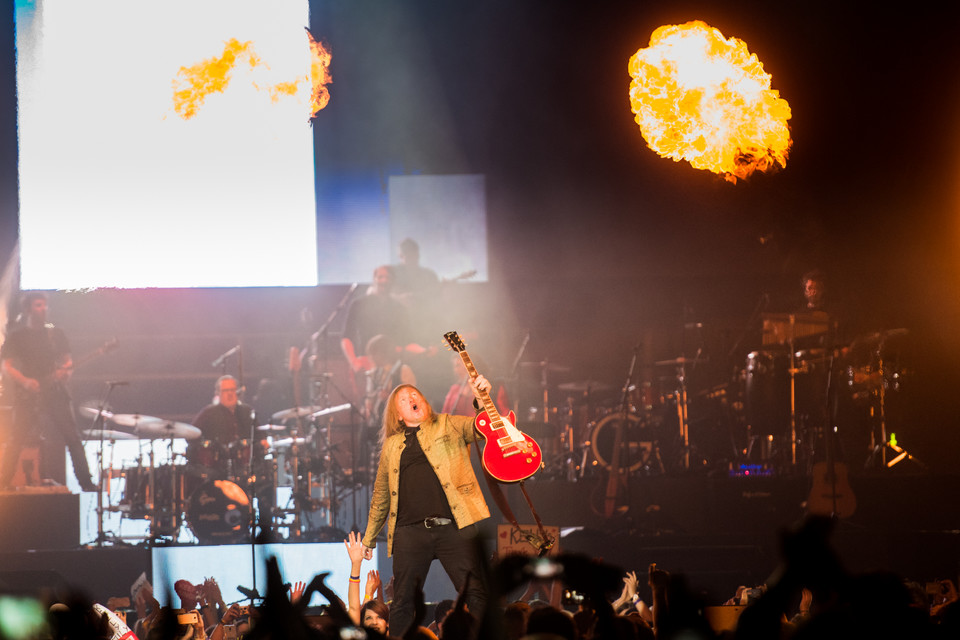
column 445, row 443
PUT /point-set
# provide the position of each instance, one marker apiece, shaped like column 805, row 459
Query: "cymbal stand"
column 880, row 448
column 683, row 413
column 98, row 423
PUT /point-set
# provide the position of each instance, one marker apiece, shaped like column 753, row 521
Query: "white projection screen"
column 119, row 188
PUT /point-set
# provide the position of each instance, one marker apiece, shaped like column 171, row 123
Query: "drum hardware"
column 545, row 368
column 785, row 329
column 879, row 446
column 682, row 402
column 99, row 433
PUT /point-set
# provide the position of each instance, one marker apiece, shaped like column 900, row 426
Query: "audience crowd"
column 567, row 597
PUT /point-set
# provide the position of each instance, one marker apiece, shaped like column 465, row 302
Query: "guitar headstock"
column 455, row 341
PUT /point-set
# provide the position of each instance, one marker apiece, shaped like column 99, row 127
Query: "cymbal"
column 159, row 429
column 583, row 386
column 106, row 434
column 329, row 410
column 294, row 412
column 879, row 336
column 130, row 419
column 288, row 442
column 93, row 411
column 271, row 427
column 676, row 362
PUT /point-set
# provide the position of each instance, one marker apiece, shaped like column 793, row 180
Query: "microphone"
column 249, row 593
column 224, row 356
column 118, row 383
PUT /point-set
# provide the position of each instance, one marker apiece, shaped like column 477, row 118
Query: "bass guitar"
column 508, row 455
column 53, row 382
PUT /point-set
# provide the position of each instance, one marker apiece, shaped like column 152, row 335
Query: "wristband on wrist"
column 354, row 578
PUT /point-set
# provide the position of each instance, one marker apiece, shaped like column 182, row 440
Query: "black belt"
column 433, row 521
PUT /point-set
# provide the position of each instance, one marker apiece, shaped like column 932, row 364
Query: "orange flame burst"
column 707, row 100
column 194, row 83
column 197, row 82
column 319, row 75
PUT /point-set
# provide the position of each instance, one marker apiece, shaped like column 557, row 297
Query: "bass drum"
column 219, row 513
column 637, row 436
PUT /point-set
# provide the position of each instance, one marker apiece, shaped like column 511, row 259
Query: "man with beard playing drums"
column 428, row 496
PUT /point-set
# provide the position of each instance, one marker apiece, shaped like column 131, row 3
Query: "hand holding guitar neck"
column 480, row 386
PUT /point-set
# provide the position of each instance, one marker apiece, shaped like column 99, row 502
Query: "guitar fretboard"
column 485, row 399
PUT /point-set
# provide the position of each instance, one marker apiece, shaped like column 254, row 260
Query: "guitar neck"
column 485, row 400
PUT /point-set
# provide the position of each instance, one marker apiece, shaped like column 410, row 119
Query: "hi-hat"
column 271, row 427
column 106, row 434
column 294, row 412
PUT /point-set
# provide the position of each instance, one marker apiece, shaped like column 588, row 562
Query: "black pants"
column 52, row 417
column 414, row 548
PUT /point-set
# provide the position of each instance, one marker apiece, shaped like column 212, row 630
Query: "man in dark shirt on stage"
column 36, row 364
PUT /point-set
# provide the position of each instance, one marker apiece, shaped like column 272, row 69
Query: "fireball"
column 700, row 97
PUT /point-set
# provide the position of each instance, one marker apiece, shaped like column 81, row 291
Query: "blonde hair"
column 391, row 415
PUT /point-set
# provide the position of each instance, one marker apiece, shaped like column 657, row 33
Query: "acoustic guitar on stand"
column 509, row 455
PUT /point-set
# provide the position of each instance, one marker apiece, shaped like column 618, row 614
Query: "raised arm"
column 355, row 550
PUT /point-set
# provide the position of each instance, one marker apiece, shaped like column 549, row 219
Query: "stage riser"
column 39, row 521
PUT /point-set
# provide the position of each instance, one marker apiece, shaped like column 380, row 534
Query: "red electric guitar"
column 509, row 455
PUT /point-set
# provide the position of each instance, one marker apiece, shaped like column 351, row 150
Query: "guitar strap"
column 541, row 541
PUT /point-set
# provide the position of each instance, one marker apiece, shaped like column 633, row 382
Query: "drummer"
column 223, row 422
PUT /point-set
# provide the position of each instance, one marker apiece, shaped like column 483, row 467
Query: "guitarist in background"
column 427, row 495
column 36, row 363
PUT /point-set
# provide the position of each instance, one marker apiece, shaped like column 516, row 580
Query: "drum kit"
column 770, row 415
column 218, row 490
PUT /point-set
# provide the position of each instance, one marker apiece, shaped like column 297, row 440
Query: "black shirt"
column 421, row 495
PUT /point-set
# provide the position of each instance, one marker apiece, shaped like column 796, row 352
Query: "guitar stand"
column 899, row 454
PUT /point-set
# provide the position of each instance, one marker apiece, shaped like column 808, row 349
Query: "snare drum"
column 219, row 513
